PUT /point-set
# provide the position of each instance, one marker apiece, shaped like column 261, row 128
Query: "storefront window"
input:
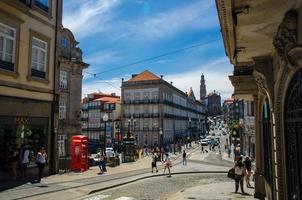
column 15, row 132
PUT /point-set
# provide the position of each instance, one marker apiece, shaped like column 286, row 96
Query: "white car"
column 204, row 142
column 110, row 152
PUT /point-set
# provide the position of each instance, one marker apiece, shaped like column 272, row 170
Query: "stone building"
column 37, row 71
column 69, row 90
column 95, row 106
column 263, row 41
column 158, row 112
column 213, row 101
column 28, row 36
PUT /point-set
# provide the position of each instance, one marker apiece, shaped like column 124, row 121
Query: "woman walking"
column 239, row 174
column 41, row 161
column 168, row 164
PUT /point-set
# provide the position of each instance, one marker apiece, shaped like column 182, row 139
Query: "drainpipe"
column 54, row 163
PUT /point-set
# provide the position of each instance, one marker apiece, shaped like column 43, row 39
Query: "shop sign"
column 21, row 120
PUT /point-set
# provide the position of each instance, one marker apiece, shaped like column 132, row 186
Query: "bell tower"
column 203, row 90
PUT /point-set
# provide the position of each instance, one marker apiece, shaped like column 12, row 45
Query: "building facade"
column 268, row 71
column 158, row 112
column 28, row 36
column 69, row 90
column 101, row 131
column 213, row 104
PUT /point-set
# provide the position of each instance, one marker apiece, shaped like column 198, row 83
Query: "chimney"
column 161, row 76
column 113, row 94
column 134, row 75
column 171, row 82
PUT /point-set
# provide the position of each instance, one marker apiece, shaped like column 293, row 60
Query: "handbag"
column 231, row 173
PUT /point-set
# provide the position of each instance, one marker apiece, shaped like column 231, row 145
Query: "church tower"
column 203, row 90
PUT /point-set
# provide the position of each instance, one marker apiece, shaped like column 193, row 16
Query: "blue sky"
column 113, row 33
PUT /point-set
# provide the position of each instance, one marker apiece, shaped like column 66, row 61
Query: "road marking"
column 97, row 197
column 125, row 198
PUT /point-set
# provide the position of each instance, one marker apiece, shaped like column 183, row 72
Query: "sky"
column 115, row 33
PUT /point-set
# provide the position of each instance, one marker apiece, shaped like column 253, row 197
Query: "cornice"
column 225, row 14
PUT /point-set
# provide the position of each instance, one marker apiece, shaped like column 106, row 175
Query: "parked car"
column 110, row 152
column 204, row 142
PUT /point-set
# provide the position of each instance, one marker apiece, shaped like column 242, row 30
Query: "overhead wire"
column 148, row 59
column 159, row 56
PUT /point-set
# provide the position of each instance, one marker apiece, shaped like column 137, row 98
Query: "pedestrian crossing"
column 107, row 197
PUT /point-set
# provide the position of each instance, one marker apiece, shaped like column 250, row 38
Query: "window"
column 38, row 58
column 63, row 79
column 43, row 4
column 62, row 109
column 65, row 42
column 7, row 47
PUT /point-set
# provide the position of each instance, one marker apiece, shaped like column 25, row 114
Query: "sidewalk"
column 224, row 190
column 85, row 182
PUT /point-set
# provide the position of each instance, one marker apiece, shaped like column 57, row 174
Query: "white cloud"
column 215, row 80
column 89, row 16
column 98, row 16
column 102, row 57
column 165, row 24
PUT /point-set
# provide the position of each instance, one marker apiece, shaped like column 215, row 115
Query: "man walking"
column 153, row 163
column 184, row 158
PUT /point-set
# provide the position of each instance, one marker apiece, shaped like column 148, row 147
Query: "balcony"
column 136, row 115
column 155, row 115
column 146, row 115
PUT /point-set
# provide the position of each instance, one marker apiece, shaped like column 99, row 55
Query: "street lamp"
column 105, row 119
column 190, row 134
column 161, row 142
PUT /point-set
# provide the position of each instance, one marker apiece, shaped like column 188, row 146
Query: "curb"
column 154, row 176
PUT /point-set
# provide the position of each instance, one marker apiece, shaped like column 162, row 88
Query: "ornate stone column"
column 259, row 179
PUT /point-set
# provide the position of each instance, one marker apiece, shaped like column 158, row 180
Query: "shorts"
column 153, row 164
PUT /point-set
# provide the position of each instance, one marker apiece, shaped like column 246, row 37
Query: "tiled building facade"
column 95, row 106
column 156, row 112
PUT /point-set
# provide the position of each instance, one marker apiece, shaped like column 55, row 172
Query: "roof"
column 191, row 93
column 144, row 76
column 109, row 100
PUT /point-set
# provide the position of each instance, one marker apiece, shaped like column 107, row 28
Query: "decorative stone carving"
column 261, row 82
column 286, row 37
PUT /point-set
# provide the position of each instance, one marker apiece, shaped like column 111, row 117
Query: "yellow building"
column 28, row 108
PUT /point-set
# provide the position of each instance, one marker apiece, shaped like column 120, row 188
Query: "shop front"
column 18, row 129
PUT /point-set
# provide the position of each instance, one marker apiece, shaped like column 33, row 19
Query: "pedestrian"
column 24, row 160
column 153, row 163
column 248, row 166
column 41, row 161
column 239, row 175
column 167, row 164
column 13, row 159
column 184, row 158
column 229, row 151
column 102, row 163
column 202, row 149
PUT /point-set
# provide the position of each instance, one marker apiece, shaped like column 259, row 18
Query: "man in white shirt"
column 24, row 160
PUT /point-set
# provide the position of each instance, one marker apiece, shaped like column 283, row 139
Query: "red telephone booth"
column 79, row 153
